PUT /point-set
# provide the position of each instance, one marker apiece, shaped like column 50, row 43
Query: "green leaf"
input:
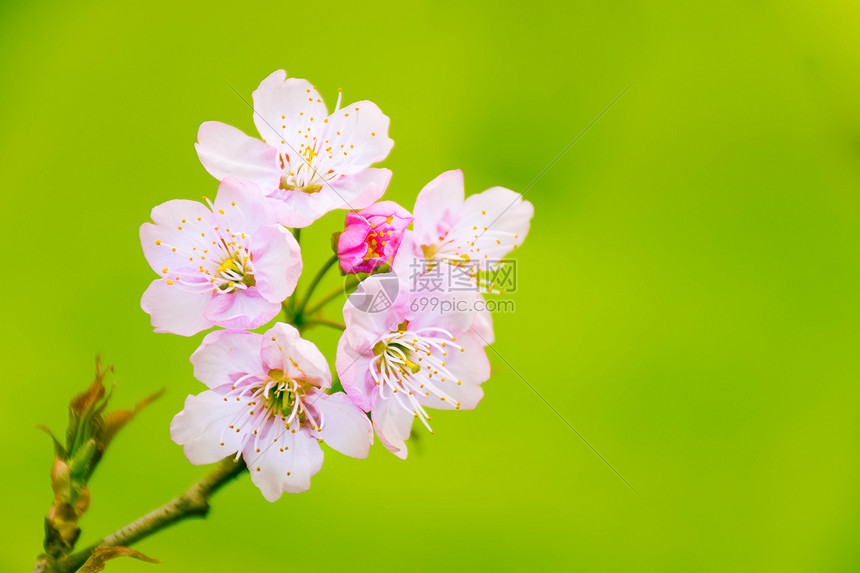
column 83, row 408
column 83, row 461
column 97, row 560
column 335, row 237
column 114, row 421
column 59, row 450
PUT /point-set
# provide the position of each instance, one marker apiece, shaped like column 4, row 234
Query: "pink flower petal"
column 243, row 309
column 353, row 372
column 241, row 205
column 372, row 236
column 277, row 262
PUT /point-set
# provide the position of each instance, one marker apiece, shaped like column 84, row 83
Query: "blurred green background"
column 688, row 295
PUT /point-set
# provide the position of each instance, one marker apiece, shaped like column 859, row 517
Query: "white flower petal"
column 497, row 221
column 469, row 367
column 438, row 207
column 408, row 263
column 483, row 326
column 344, row 427
column 361, row 189
column 226, row 355
column 284, row 349
column 171, row 240
column 285, row 465
column 224, row 151
column 392, row 422
column 299, row 209
column 375, row 307
column 284, row 107
column 355, row 137
column 203, row 426
column 175, row 310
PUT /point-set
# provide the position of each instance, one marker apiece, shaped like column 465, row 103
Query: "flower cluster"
column 234, row 263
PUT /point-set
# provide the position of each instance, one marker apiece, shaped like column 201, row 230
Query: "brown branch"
column 192, row 503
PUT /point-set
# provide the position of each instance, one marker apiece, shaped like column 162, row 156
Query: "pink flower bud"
column 372, row 236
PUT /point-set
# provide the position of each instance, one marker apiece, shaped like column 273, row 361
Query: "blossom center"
column 234, row 273
column 461, row 247
column 277, row 398
column 303, row 176
column 280, row 396
column 376, row 241
column 414, row 364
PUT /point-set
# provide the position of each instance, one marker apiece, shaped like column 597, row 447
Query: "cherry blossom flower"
column 230, row 266
column 311, row 162
column 266, row 404
column 472, row 234
column 399, row 362
column 372, row 236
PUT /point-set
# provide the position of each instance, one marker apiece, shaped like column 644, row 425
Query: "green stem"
column 300, row 311
column 353, row 280
column 326, row 322
column 348, row 284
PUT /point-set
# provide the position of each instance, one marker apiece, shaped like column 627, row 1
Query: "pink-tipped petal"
column 352, row 370
column 241, row 206
column 277, row 262
column 453, row 308
column 243, row 309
